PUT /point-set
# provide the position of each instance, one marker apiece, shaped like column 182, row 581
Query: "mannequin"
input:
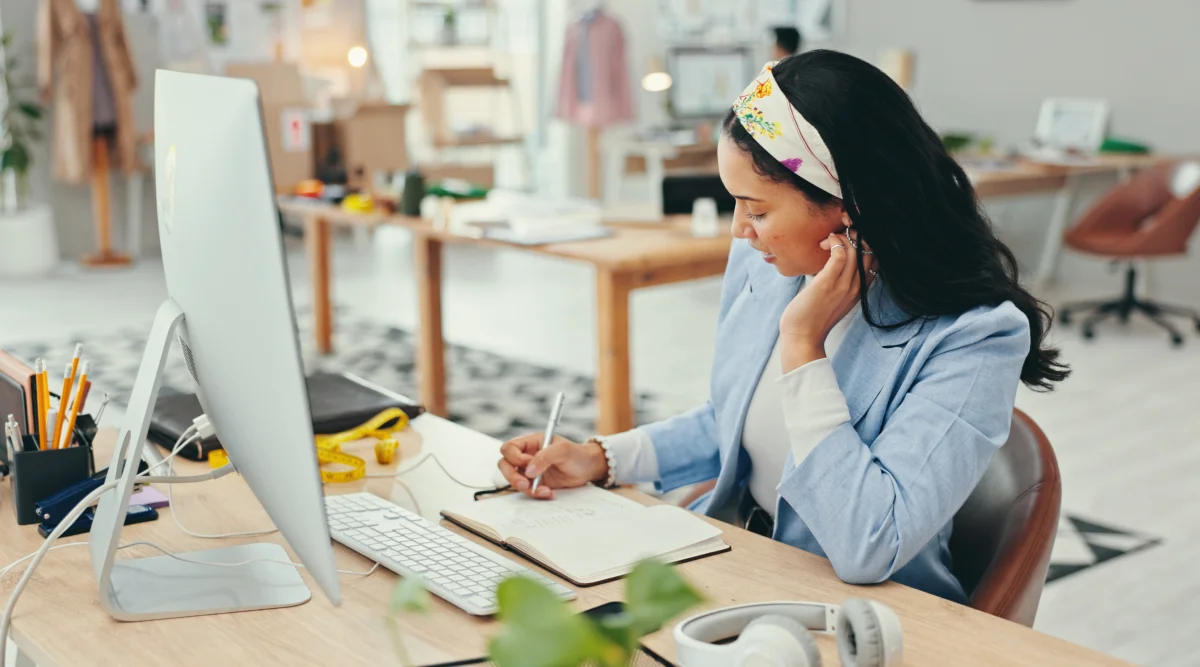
column 86, row 71
column 594, row 89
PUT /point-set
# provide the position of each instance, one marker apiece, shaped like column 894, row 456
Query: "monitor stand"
column 142, row 589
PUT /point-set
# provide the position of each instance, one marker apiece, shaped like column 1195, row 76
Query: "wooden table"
column 636, row 256
column 59, row 623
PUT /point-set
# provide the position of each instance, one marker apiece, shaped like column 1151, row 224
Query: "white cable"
column 171, row 481
column 411, row 496
column 8, row 568
column 67, row 522
column 420, row 463
column 186, row 438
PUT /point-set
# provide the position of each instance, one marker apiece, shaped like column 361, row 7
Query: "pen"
column 10, row 435
column 63, row 399
column 68, row 437
column 43, row 397
column 18, row 436
column 549, row 437
column 51, row 416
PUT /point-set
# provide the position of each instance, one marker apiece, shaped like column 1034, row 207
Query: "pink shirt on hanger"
column 609, row 101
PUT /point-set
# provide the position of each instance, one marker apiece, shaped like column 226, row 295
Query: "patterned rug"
column 488, row 393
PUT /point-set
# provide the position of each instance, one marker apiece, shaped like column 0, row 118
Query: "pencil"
column 87, row 389
column 62, row 412
column 75, row 360
column 63, row 400
column 43, row 395
column 68, row 437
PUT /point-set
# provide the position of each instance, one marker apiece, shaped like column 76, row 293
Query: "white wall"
column 987, row 64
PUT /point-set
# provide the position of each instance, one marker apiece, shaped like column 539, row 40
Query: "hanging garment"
column 66, row 70
column 594, row 84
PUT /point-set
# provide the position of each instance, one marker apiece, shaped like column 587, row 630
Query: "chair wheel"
column 1176, row 341
column 1089, row 333
column 1065, row 318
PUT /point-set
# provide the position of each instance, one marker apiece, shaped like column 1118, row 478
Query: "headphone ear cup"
column 766, row 631
column 859, row 635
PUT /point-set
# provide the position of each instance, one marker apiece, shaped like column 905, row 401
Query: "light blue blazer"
column 930, row 403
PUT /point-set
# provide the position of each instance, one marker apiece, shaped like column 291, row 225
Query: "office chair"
column 1004, row 533
column 1152, row 215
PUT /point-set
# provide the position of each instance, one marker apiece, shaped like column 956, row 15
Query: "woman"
column 850, row 423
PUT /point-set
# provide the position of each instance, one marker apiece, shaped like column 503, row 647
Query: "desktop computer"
column 230, row 308
column 229, row 305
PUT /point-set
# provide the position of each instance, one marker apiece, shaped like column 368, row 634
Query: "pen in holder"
column 40, row 473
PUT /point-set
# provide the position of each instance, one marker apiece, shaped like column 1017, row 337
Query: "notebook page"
column 583, row 550
column 516, row 512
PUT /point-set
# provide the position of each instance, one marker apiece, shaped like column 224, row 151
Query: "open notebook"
column 589, row 535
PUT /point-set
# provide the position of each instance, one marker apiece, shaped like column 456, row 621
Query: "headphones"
column 777, row 634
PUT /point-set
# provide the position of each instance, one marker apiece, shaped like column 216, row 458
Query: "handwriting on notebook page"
column 569, row 506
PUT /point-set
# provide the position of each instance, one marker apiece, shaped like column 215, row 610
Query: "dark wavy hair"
column 908, row 199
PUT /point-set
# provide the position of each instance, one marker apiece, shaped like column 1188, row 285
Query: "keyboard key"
column 408, row 544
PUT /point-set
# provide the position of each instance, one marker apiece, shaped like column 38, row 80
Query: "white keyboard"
column 453, row 567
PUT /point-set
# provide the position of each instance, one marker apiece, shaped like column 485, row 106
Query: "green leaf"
column 409, row 596
column 542, row 631
column 655, row 594
column 618, row 628
column 30, row 109
column 15, row 157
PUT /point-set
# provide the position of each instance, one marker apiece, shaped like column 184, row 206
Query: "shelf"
column 475, row 77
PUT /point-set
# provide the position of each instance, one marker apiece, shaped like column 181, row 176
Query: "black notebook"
column 339, row 402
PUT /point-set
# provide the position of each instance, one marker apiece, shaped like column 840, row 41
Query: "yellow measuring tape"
column 329, row 450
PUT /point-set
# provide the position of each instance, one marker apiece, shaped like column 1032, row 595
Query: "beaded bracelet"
column 612, row 461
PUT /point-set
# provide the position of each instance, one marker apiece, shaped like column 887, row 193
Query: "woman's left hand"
column 822, row 302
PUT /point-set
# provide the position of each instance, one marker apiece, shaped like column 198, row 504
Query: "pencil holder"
column 39, row 473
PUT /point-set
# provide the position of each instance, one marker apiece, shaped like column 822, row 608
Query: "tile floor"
column 1123, row 426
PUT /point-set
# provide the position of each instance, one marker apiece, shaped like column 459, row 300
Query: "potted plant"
column 540, row 630
column 27, row 243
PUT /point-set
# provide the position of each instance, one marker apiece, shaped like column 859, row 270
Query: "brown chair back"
column 1139, row 218
column 1004, row 533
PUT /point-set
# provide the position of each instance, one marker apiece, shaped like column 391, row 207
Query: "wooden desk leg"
column 1064, row 204
column 431, row 354
column 613, row 392
column 316, row 237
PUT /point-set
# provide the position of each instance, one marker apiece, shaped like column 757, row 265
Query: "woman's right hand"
column 562, row 465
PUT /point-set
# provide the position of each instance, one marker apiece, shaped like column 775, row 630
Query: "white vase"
column 28, row 244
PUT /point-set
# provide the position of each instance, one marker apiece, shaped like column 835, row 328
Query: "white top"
column 811, row 390
column 810, row 398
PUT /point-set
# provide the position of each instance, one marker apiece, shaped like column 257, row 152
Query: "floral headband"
column 768, row 116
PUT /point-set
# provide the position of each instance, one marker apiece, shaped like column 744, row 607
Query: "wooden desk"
column 59, row 623
column 638, row 255
column 1026, row 178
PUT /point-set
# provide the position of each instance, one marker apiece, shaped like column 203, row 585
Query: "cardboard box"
column 286, row 119
column 374, row 142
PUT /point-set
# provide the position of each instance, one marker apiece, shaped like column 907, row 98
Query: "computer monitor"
column 230, row 306
column 706, row 80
